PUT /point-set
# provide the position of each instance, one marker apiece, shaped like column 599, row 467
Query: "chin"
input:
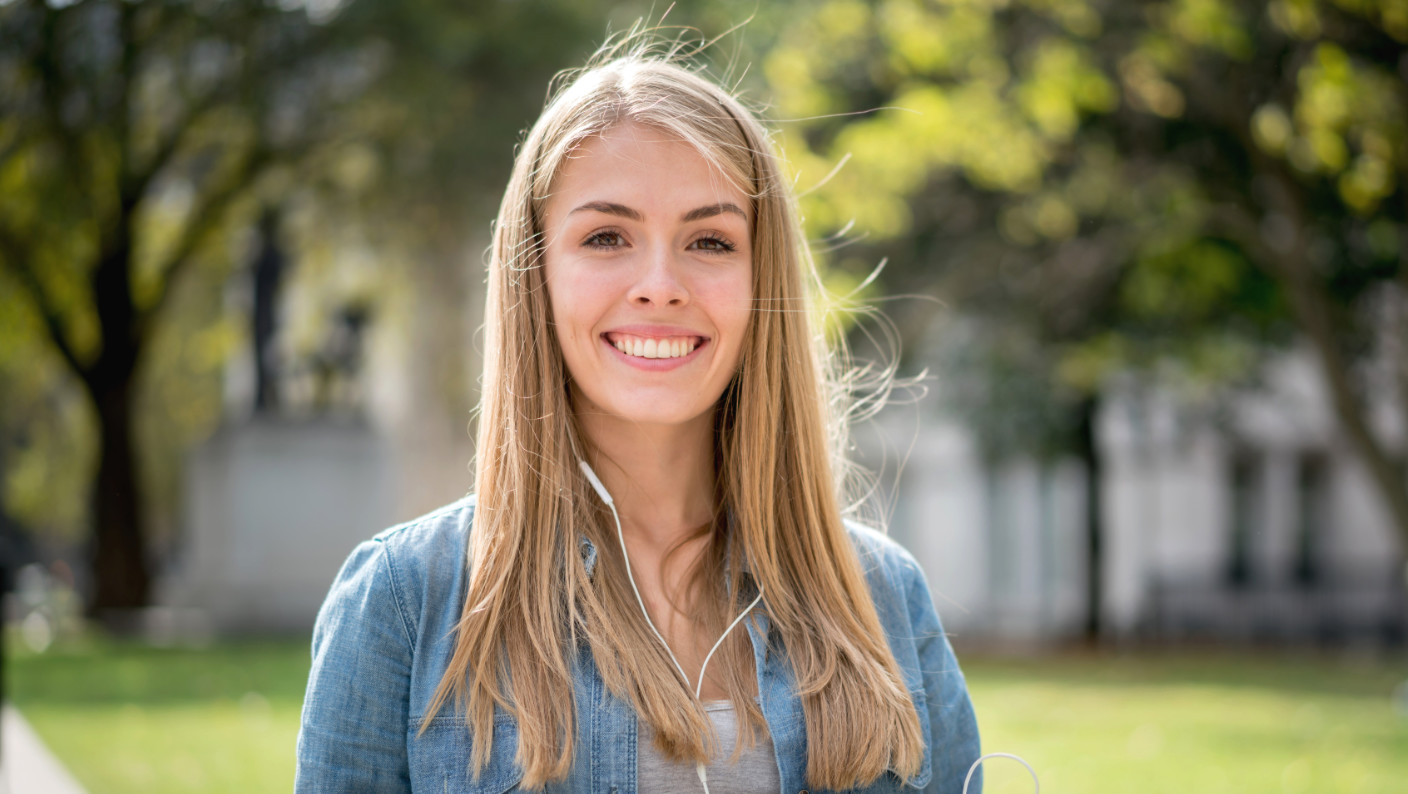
column 656, row 418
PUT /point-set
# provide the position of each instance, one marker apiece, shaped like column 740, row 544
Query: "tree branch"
column 15, row 256
column 11, row 148
column 204, row 219
column 137, row 182
column 52, row 90
column 127, row 69
column 1314, row 314
column 1401, row 340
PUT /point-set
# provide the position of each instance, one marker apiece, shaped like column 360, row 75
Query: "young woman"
column 653, row 588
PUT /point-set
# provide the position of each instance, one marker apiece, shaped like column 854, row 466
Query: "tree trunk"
column 1314, row 310
column 1088, row 450
column 1312, row 307
column 122, row 578
column 121, row 575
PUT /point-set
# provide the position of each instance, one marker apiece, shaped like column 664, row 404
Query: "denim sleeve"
column 353, row 734
column 952, row 724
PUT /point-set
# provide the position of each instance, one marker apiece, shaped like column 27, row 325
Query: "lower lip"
column 655, row 364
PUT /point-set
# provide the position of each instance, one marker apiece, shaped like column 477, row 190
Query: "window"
column 1245, row 468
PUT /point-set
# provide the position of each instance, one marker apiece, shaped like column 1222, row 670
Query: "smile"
column 654, row 347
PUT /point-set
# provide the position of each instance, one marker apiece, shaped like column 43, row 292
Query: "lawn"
column 126, row 718
column 129, row 718
column 1183, row 723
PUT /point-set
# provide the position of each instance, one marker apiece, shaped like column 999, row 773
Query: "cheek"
column 571, row 298
column 731, row 299
column 732, row 308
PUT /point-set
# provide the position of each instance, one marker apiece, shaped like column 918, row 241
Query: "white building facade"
column 1265, row 529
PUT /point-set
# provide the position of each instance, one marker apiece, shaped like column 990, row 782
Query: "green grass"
column 125, row 718
column 128, row 718
column 1183, row 723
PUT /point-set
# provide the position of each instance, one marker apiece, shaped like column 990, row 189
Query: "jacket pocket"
column 440, row 758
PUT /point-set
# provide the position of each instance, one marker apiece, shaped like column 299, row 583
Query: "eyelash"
column 594, row 240
column 722, row 246
column 718, row 244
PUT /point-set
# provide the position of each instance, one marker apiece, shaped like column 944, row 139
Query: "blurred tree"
column 140, row 142
column 134, row 136
column 459, row 83
column 1119, row 184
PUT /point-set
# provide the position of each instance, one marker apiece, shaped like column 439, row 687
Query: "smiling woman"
column 652, row 588
column 648, row 263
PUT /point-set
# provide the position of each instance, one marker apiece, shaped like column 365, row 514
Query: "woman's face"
column 648, row 263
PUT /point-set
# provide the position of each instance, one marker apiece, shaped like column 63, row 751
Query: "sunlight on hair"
column 781, row 442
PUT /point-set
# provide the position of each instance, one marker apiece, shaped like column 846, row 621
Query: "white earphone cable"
column 699, row 687
column 625, row 555
column 1018, row 759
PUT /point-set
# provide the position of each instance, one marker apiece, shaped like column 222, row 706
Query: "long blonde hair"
column 530, row 601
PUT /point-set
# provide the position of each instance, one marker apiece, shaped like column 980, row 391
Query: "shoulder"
column 916, row 636
column 882, row 556
column 428, row 552
column 898, row 586
column 404, row 567
column 395, row 590
column 440, row 536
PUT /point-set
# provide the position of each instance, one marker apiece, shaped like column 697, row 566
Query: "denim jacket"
column 384, row 637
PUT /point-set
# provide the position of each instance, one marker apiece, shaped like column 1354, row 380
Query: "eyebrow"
column 712, row 210
column 610, row 209
column 700, row 213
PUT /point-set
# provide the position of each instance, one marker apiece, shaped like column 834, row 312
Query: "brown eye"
column 713, row 245
column 604, row 240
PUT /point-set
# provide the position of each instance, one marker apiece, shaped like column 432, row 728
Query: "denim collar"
column 588, row 551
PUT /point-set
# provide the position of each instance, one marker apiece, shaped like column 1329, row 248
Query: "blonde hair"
column 531, row 604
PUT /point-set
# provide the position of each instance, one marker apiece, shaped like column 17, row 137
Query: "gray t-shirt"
column 755, row 772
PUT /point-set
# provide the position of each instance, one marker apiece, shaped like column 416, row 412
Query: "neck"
column 661, row 477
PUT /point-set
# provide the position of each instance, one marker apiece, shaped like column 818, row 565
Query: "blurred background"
column 1148, row 258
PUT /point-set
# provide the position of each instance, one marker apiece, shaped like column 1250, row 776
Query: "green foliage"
column 1139, row 170
column 45, row 442
column 147, row 139
column 137, row 141
column 1001, row 379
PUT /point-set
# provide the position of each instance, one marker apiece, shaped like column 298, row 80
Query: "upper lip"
column 653, row 331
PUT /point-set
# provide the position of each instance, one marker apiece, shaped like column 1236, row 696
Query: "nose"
column 659, row 281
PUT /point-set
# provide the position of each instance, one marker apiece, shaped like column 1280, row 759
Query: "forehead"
column 649, row 169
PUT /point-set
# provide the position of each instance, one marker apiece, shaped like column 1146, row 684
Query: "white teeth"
column 641, row 347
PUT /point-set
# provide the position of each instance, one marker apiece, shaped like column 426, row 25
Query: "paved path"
column 26, row 765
